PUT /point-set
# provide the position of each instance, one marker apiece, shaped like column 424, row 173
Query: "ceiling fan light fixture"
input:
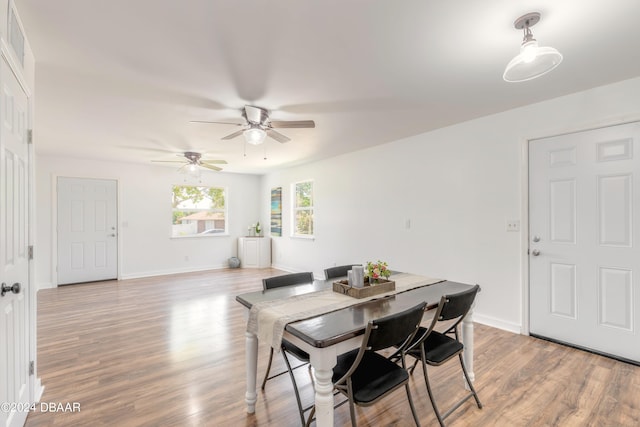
column 191, row 170
column 255, row 135
column 533, row 61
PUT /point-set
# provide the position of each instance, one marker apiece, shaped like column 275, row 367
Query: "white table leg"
column 467, row 340
column 323, row 362
column 251, row 362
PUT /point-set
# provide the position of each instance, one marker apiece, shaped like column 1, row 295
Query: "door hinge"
column 32, row 368
column 30, row 252
column 29, row 136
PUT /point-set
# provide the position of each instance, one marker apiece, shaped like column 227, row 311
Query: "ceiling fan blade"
column 233, row 135
column 277, row 136
column 292, row 124
column 169, row 161
column 147, row 149
column 214, row 162
column 214, row 168
column 216, row 123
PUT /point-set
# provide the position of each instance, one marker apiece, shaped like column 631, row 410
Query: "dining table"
column 326, row 330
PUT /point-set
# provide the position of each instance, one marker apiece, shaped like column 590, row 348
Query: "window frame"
column 225, row 212
column 295, row 209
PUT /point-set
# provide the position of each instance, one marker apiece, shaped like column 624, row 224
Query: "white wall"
column 144, row 198
column 457, row 186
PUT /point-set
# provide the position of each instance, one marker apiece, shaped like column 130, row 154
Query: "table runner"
column 268, row 319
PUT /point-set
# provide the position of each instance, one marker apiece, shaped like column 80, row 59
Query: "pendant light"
column 532, row 61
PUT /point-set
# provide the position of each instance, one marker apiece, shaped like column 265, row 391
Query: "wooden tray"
column 383, row 285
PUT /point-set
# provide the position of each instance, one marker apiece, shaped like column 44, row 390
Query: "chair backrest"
column 451, row 307
column 396, row 329
column 339, row 271
column 287, row 280
column 457, row 305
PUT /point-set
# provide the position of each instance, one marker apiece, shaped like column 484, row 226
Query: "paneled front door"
column 14, row 256
column 87, row 235
column 584, row 254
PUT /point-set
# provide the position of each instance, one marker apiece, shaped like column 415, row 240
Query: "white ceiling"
column 121, row 80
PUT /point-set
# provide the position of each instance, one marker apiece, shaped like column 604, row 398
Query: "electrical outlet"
column 513, row 225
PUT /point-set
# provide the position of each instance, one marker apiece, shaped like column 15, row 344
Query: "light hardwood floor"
column 169, row 351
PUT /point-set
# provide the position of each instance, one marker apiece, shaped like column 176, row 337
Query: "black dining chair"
column 287, row 280
column 286, row 346
column 339, row 271
column 434, row 348
column 365, row 376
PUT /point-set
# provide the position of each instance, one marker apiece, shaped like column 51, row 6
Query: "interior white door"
column 15, row 390
column 584, row 249
column 87, row 234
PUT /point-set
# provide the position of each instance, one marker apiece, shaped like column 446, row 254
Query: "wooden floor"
column 169, row 351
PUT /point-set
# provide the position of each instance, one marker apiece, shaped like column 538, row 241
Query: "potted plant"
column 376, row 271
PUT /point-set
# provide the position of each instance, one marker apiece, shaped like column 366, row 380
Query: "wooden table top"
column 340, row 325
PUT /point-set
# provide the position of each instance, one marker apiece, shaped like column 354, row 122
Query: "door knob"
column 6, row 288
column 535, row 252
column 536, row 239
column 112, row 235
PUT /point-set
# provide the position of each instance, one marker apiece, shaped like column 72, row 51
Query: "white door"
column 14, row 259
column 584, row 259
column 87, row 235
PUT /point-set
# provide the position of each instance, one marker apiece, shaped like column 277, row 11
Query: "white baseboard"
column 140, row 275
column 144, row 274
column 497, row 323
column 38, row 390
column 47, row 285
column 284, row 268
column 316, row 275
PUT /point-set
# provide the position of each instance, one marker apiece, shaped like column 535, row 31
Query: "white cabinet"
column 254, row 252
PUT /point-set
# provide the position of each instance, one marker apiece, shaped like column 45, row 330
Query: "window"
column 303, row 209
column 198, row 211
column 16, row 36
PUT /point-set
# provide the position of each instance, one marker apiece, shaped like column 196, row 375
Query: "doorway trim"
column 54, row 222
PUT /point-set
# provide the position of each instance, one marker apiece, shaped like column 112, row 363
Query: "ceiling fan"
column 258, row 125
column 193, row 160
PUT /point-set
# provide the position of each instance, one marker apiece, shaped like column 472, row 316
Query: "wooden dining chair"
column 286, row 346
column 434, row 348
column 365, row 376
column 339, row 271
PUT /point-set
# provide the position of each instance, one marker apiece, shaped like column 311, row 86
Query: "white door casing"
column 584, row 231
column 14, row 258
column 87, row 230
